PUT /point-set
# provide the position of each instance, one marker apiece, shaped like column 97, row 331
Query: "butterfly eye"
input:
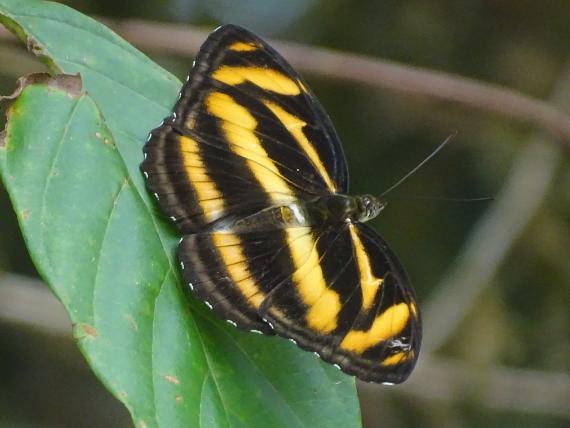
column 366, row 201
column 370, row 207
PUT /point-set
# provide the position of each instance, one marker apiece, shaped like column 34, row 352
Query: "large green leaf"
column 70, row 163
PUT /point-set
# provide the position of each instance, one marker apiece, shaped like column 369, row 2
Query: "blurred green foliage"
column 521, row 321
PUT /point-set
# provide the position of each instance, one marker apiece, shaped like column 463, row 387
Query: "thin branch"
column 26, row 301
column 184, row 40
column 522, row 195
column 500, row 388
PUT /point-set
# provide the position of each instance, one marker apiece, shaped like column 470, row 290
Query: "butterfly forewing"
column 246, row 117
column 247, row 150
column 238, row 64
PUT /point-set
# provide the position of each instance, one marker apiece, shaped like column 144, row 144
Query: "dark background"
column 492, row 277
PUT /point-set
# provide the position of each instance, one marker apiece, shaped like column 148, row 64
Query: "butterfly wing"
column 350, row 301
column 216, row 268
column 245, row 134
column 339, row 292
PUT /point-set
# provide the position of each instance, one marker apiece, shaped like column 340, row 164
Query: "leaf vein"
column 115, row 202
column 48, row 181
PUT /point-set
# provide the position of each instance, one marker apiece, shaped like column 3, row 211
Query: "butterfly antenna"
column 435, row 198
column 418, row 166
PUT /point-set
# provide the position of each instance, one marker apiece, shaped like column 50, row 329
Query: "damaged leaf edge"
column 69, row 83
column 32, row 45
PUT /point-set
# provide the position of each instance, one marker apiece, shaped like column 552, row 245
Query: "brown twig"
column 523, row 193
column 492, row 387
column 185, row 40
column 27, row 302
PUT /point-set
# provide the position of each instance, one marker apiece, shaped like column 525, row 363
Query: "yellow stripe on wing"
column 230, row 248
column 295, row 126
column 242, row 47
column 239, row 126
column 209, row 197
column 397, row 358
column 324, row 303
column 386, row 325
column 369, row 284
column 266, row 78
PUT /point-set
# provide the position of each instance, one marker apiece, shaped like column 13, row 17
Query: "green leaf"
column 70, row 163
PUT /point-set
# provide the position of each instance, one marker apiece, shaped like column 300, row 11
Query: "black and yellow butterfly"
column 250, row 169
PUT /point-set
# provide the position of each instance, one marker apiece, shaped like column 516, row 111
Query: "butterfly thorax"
column 338, row 208
column 317, row 212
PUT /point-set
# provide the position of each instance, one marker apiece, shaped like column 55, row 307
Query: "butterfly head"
column 369, row 206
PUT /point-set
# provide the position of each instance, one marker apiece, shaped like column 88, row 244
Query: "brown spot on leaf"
column 84, row 332
column 70, row 83
column 20, row 33
column 98, row 135
column 172, row 379
column 25, row 214
column 132, row 322
column 179, row 398
column 142, row 423
column 3, row 138
column 89, row 330
column 33, row 46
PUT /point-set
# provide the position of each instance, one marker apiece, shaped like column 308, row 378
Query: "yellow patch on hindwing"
column 385, row 326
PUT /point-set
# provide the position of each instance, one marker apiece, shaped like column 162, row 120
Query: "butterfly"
column 253, row 174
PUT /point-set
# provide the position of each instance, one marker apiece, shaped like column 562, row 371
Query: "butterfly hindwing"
column 216, row 269
column 383, row 343
column 233, row 273
column 350, row 301
column 339, row 292
column 246, row 132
